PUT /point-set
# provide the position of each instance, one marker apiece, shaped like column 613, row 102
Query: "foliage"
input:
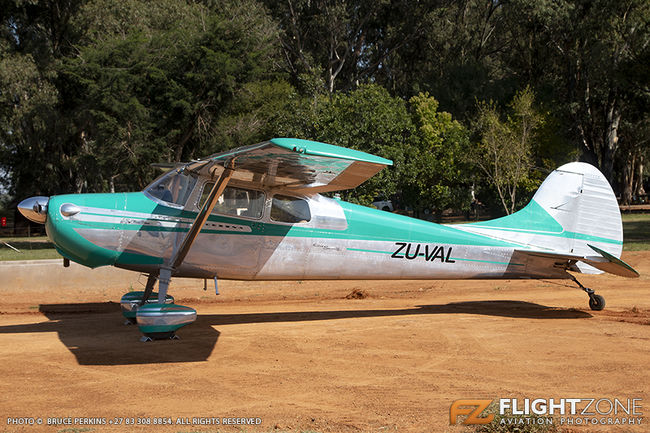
column 503, row 153
column 93, row 91
column 253, row 116
column 157, row 94
column 589, row 56
column 436, row 174
column 366, row 119
column 28, row 125
column 425, row 145
column 335, row 45
column 145, row 85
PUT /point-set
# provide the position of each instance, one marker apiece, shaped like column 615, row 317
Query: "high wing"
column 603, row 261
column 299, row 165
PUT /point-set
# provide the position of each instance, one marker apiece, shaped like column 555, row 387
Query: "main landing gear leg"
column 151, row 281
column 163, row 283
column 596, row 302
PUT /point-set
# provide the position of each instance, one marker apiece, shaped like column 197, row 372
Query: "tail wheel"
column 596, row 302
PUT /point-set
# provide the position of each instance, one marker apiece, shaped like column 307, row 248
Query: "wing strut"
column 195, row 229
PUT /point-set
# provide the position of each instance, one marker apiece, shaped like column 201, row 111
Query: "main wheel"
column 596, row 302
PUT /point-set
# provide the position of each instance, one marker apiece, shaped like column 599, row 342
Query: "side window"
column 236, row 201
column 290, row 209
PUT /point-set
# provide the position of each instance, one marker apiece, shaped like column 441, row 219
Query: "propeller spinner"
column 34, row 208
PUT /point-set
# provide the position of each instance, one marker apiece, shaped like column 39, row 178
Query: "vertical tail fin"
column 573, row 208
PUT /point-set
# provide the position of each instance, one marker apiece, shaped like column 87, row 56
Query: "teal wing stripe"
column 369, row 251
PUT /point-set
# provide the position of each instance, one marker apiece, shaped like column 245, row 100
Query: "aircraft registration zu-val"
column 257, row 213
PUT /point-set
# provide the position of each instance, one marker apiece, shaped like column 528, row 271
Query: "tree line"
column 472, row 99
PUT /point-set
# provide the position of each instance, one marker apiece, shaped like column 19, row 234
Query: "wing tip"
column 318, row 148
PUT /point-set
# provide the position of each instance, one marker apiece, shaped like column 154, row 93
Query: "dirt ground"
column 301, row 356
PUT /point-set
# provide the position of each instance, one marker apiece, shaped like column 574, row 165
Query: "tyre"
column 596, row 302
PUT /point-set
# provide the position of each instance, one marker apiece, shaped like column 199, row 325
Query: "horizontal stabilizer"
column 603, row 261
column 615, row 265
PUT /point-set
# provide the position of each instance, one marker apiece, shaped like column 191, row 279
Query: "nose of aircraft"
column 34, row 208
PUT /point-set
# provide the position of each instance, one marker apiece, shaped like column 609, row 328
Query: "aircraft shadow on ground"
column 95, row 332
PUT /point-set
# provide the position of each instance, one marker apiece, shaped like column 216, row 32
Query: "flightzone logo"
column 473, row 410
column 539, row 411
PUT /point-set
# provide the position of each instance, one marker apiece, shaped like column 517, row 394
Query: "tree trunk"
column 610, row 145
column 628, row 180
column 111, row 184
column 638, row 189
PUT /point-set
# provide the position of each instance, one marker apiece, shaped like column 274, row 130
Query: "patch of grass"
column 35, row 248
column 43, row 254
column 636, row 232
column 32, row 248
column 37, row 252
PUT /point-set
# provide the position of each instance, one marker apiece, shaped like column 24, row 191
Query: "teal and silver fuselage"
column 257, row 213
column 256, row 233
column 138, row 232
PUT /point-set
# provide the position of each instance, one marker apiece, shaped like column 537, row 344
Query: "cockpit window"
column 174, row 187
column 290, row 209
column 236, row 201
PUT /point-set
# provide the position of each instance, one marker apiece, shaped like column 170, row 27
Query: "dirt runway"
column 300, row 356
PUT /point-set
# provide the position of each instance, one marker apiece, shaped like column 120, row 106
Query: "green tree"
column 156, row 92
column 30, row 153
column 335, row 45
column 366, row 119
column 254, row 114
column 34, row 135
column 503, row 153
column 436, row 173
column 370, row 120
column 95, row 91
column 426, row 145
column 455, row 56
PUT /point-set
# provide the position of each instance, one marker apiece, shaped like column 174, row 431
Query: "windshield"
column 174, row 187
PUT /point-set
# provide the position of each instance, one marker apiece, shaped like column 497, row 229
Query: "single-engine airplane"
column 257, row 213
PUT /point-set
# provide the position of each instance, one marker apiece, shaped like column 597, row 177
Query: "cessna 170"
column 257, row 213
